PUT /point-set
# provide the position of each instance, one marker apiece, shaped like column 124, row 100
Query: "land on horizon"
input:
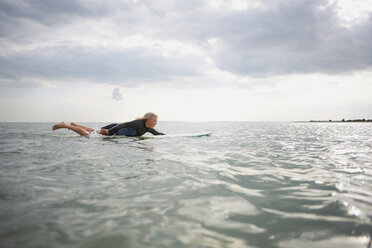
column 337, row 121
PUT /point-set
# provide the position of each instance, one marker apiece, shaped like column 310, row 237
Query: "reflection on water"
column 247, row 185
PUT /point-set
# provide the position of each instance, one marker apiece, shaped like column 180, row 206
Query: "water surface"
column 247, row 185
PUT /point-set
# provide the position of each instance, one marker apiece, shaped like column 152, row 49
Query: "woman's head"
column 148, row 116
column 150, row 119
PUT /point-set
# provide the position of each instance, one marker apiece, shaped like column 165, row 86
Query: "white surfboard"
column 175, row 135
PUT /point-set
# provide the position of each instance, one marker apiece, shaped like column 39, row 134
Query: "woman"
column 133, row 128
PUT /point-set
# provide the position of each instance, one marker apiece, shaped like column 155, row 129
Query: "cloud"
column 53, row 12
column 78, row 62
column 97, row 41
column 116, row 94
column 293, row 37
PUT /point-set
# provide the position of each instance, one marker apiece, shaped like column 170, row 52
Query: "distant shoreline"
column 337, row 121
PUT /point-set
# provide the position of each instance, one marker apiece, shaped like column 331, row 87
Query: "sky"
column 212, row 60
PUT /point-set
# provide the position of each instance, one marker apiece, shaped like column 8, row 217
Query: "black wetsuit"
column 132, row 128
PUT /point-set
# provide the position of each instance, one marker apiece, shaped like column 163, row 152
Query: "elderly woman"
column 133, row 128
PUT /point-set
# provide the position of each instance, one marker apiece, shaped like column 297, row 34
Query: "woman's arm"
column 154, row 132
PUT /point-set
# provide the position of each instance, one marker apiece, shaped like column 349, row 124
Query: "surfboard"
column 176, row 135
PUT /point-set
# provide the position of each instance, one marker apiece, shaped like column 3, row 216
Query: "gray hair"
column 147, row 116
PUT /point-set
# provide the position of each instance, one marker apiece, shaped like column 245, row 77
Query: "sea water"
column 247, row 185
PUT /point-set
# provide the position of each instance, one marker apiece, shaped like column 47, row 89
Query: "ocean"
column 249, row 184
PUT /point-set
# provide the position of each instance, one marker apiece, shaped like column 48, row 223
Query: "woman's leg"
column 76, row 129
column 86, row 128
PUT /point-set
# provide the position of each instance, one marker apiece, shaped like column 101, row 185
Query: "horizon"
column 231, row 60
column 160, row 121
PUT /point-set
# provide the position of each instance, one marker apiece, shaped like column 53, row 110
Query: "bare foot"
column 73, row 124
column 59, row 125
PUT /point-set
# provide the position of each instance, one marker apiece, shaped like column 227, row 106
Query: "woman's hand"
column 103, row 131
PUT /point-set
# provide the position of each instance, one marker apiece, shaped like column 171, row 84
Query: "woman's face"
column 151, row 123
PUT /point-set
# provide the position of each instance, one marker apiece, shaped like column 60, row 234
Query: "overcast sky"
column 106, row 61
